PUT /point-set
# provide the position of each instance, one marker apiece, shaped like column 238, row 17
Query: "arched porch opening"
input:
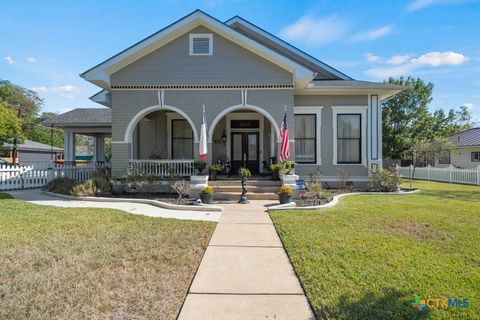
column 245, row 136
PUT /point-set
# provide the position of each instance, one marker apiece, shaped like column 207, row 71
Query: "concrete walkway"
column 245, row 272
column 37, row 197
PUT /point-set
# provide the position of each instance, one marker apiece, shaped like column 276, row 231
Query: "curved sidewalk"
column 245, row 272
column 37, row 197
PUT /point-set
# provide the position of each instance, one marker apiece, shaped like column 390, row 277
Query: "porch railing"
column 163, row 168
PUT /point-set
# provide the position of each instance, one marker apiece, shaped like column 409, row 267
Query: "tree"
column 9, row 124
column 407, row 120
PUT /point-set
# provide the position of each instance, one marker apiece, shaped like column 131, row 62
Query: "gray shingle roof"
column 470, row 137
column 32, row 146
column 82, row 117
column 357, row 84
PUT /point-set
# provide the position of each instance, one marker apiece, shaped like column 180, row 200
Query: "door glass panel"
column 237, row 147
column 252, row 147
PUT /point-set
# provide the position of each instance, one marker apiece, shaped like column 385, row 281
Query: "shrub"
column 325, row 195
column 343, row 180
column 135, row 181
column 200, row 165
column 288, row 165
column 244, row 172
column 103, row 182
column 60, row 185
column 214, row 167
column 181, row 187
column 207, row 190
column 313, row 186
column 286, row 191
column 86, row 188
column 387, row 180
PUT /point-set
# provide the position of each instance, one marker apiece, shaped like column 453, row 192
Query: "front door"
column 245, row 151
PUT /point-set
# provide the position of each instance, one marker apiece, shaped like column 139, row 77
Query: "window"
column 182, row 139
column 349, row 138
column 444, row 157
column 201, row 44
column 475, row 156
column 305, row 138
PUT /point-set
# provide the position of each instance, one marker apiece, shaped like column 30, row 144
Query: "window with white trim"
column 349, row 138
column 444, row 157
column 305, row 138
column 182, row 139
column 201, row 44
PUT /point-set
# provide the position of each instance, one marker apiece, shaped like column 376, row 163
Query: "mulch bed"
column 163, row 197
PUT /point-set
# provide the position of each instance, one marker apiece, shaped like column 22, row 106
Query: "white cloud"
column 370, row 57
column 469, row 105
column 386, row 72
column 67, row 96
column 9, row 60
column 315, row 31
column 422, row 4
column 372, row 34
column 31, row 60
column 60, row 89
column 437, row 58
column 398, row 59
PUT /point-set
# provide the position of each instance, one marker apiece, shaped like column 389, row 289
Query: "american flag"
column 285, row 146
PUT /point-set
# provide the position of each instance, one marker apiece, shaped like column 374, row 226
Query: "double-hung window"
column 305, row 138
column 475, row 156
column 349, row 138
column 182, row 139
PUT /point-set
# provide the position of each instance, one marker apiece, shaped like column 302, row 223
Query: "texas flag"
column 202, row 150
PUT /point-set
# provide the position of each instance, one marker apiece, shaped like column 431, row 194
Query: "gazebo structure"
column 92, row 122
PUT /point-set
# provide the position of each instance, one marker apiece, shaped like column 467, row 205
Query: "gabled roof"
column 94, row 117
column 283, row 47
column 100, row 74
column 467, row 138
column 29, row 145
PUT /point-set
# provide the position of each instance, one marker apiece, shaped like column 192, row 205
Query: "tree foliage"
column 10, row 126
column 407, row 119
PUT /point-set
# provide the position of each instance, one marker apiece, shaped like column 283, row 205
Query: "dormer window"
column 201, row 44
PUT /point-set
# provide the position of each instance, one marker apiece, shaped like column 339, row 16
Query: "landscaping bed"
column 58, row 263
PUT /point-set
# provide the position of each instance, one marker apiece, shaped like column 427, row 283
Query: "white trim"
column 139, row 115
column 193, row 36
column 243, row 107
column 317, row 110
column 260, row 130
column 100, row 74
column 363, row 110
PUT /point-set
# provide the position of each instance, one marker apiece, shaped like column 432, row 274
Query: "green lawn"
column 63, row 263
column 371, row 255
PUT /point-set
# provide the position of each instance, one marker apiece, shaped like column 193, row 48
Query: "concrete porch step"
column 251, row 189
column 251, row 196
column 257, row 183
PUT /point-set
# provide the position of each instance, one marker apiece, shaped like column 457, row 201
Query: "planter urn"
column 206, row 198
column 283, row 198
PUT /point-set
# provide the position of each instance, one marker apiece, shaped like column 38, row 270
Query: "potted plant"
column 288, row 166
column 244, row 174
column 200, row 165
column 213, row 169
column 206, row 194
column 285, row 194
column 276, row 167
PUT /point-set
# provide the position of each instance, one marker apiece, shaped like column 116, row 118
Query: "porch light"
column 224, row 137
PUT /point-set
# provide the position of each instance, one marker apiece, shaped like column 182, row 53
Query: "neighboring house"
column 246, row 78
column 30, row 152
column 466, row 153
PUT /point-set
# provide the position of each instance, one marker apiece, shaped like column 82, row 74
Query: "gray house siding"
column 230, row 64
column 327, row 168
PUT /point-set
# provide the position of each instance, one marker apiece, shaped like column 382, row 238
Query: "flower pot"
column 284, row 198
column 276, row 175
column 206, row 198
column 213, row 175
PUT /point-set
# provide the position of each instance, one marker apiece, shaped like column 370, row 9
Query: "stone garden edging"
column 155, row 203
column 335, row 200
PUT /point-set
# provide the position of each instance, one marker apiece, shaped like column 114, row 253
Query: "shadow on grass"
column 391, row 304
column 4, row 196
column 470, row 196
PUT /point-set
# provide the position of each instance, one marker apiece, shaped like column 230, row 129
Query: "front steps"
column 257, row 189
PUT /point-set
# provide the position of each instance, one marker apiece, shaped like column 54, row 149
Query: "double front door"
column 245, row 151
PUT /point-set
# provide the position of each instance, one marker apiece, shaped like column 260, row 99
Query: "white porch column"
column 99, row 148
column 69, row 145
column 375, row 131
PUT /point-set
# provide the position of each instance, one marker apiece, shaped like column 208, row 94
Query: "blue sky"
column 46, row 44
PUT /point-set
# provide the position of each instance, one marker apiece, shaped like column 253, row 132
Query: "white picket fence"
column 448, row 174
column 27, row 177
